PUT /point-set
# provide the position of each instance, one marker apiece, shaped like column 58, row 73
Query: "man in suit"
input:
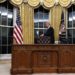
column 49, row 32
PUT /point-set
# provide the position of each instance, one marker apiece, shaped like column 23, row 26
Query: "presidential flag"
column 62, row 27
column 17, row 31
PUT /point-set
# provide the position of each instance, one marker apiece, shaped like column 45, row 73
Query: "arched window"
column 6, row 27
column 71, row 25
column 41, row 15
column 68, row 35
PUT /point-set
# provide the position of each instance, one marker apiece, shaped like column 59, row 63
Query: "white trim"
column 5, row 56
column 6, row 26
column 40, row 28
column 40, row 20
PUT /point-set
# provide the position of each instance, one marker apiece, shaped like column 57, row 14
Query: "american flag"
column 17, row 32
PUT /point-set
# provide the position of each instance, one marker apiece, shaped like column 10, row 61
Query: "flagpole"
column 14, row 19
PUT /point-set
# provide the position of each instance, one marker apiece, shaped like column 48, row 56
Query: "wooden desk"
column 28, row 59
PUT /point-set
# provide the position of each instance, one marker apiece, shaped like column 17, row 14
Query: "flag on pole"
column 62, row 25
column 17, row 31
column 62, row 28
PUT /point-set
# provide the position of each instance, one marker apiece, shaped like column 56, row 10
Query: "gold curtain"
column 1, row 1
column 16, row 2
column 49, row 3
column 55, row 18
column 46, row 3
column 65, row 3
column 27, row 14
column 33, row 3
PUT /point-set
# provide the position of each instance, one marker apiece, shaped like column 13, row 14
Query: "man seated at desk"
column 49, row 32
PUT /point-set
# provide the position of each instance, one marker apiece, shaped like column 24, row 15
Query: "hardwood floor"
column 5, row 66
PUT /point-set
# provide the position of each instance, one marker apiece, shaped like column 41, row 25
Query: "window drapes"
column 46, row 3
column 27, row 15
column 56, row 12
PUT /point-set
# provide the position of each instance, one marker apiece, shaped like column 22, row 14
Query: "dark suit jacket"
column 50, row 33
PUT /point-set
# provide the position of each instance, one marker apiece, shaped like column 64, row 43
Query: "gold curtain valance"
column 33, row 3
column 46, row 3
column 65, row 3
column 16, row 2
column 49, row 3
column 1, row 1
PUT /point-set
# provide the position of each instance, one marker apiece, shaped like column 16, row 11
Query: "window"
column 68, row 37
column 71, row 25
column 41, row 15
column 6, row 29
